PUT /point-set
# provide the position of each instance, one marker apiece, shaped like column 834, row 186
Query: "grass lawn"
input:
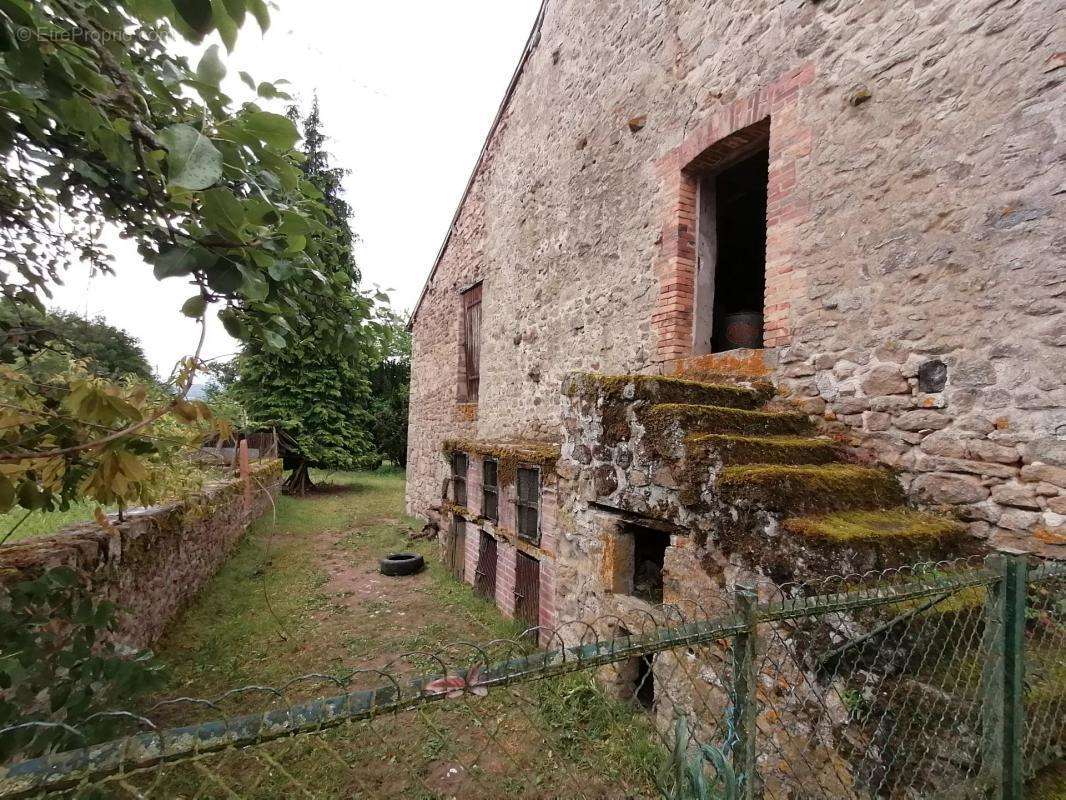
column 42, row 523
column 302, row 594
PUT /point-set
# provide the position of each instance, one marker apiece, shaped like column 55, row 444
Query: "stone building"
column 822, row 245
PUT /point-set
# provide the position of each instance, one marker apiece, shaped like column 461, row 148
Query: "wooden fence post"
column 1003, row 676
column 246, row 474
column 744, row 683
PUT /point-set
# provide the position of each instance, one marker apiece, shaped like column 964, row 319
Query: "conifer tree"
column 320, row 398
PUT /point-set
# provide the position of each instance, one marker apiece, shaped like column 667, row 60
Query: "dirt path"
column 302, row 594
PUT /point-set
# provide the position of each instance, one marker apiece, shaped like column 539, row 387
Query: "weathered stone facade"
column 153, row 563
column 915, row 279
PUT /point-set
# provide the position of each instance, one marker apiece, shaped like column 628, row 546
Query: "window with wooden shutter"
column 459, row 466
column 528, row 505
column 490, row 490
column 471, row 377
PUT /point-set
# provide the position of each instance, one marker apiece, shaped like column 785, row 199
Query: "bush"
column 58, row 665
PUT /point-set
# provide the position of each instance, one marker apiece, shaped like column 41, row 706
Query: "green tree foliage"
column 319, row 398
column 104, row 125
column 58, row 665
column 107, row 351
column 390, row 387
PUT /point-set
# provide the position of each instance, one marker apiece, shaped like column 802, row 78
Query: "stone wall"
column 916, row 208
column 153, row 563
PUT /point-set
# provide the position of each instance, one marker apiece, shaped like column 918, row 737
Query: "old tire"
column 401, row 564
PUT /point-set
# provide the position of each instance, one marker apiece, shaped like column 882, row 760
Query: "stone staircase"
column 727, row 461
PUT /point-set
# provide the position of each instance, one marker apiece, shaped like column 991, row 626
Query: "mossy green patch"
column 844, row 527
column 510, row 455
column 810, row 489
column 660, row 389
column 701, row 419
column 734, row 449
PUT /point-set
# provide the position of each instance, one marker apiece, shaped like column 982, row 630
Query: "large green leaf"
column 222, row 210
column 211, row 70
column 194, row 162
column 182, row 260
column 275, row 129
column 224, row 277
column 254, row 287
column 236, row 9
column 196, row 14
column 195, row 306
column 231, row 321
column 227, row 27
column 260, row 12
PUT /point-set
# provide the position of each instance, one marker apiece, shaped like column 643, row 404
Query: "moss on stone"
column 659, row 389
column 810, row 489
column 734, row 449
column 844, row 527
column 697, row 419
column 510, row 455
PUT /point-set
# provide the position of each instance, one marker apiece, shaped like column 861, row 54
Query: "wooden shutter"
column 472, row 341
column 485, row 574
column 527, row 590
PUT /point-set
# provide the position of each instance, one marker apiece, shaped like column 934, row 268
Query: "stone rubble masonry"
column 153, row 563
column 925, row 224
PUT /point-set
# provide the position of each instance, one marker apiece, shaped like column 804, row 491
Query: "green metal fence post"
column 744, row 682
column 1003, row 676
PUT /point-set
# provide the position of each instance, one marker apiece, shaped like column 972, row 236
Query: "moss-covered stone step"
column 800, row 490
column 732, row 449
column 847, row 527
column 653, row 389
column 696, row 419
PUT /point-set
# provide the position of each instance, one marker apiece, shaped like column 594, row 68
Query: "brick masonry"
column 916, row 211
column 152, row 564
column 507, row 542
column 775, row 110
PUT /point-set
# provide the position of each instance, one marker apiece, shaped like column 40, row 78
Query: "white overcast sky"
column 408, row 90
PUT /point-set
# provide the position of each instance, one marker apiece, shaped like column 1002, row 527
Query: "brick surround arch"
column 772, row 110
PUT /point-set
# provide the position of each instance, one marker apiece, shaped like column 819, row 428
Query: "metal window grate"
column 460, row 463
column 528, row 505
column 490, row 490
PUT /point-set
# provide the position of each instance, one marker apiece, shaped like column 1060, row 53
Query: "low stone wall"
column 155, row 561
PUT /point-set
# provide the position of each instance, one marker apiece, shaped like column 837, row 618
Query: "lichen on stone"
column 892, row 523
column 810, row 489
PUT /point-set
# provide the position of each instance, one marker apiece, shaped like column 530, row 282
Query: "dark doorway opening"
column 649, row 556
column 731, row 246
column 645, row 688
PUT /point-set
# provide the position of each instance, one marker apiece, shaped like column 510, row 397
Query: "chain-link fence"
column 939, row 680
